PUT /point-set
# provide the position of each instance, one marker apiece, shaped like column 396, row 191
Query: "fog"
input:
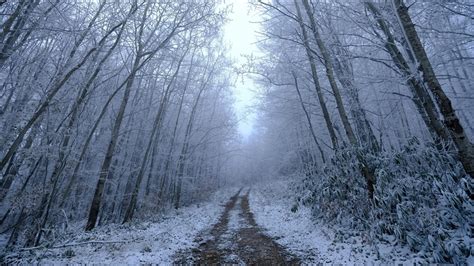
column 236, row 132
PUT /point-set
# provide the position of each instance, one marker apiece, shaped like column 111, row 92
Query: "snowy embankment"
column 139, row 243
column 313, row 241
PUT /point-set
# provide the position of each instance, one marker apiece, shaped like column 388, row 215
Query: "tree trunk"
column 308, row 118
column 314, row 74
column 62, row 160
column 99, row 189
column 456, row 130
column 13, row 27
column 421, row 98
column 344, row 74
column 157, row 124
column 366, row 171
column 58, row 84
column 169, row 157
column 330, row 74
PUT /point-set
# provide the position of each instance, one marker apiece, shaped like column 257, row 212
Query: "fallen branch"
column 73, row 244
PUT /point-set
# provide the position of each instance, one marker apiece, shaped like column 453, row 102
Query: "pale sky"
column 240, row 34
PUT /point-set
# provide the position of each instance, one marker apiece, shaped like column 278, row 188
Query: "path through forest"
column 256, row 226
column 236, row 239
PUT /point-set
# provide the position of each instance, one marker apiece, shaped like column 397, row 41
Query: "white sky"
column 240, row 34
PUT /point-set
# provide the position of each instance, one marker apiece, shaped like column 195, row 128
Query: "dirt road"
column 236, row 239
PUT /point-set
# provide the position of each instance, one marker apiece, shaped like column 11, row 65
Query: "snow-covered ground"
column 157, row 242
column 313, row 241
column 141, row 243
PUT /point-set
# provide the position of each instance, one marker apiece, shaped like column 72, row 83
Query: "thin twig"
column 73, row 244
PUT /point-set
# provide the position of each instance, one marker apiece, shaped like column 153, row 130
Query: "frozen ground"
column 224, row 230
column 314, row 242
column 236, row 240
column 133, row 244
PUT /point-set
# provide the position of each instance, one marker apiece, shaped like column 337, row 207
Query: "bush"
column 420, row 198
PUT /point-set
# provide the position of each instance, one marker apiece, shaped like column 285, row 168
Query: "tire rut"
column 236, row 239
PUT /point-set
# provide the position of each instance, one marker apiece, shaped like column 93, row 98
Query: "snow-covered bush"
column 421, row 198
column 338, row 194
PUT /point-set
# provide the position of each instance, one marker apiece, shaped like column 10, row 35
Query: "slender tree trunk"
column 62, row 160
column 344, row 74
column 308, row 118
column 456, row 130
column 58, row 84
column 421, row 98
column 366, row 171
column 157, row 124
column 314, row 74
column 168, row 163
column 183, row 157
column 15, row 164
column 166, row 171
column 14, row 27
column 330, row 74
column 99, row 188
column 85, row 146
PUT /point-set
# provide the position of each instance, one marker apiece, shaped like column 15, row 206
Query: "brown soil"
column 246, row 244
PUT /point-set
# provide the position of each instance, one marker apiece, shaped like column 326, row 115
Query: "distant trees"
column 97, row 98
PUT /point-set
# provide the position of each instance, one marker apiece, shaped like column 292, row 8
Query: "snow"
column 233, row 226
column 236, row 221
column 227, row 240
column 146, row 242
column 156, row 242
column 313, row 241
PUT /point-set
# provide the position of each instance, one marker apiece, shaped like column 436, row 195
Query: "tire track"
column 236, row 239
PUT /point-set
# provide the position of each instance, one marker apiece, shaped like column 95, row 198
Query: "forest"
column 121, row 139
